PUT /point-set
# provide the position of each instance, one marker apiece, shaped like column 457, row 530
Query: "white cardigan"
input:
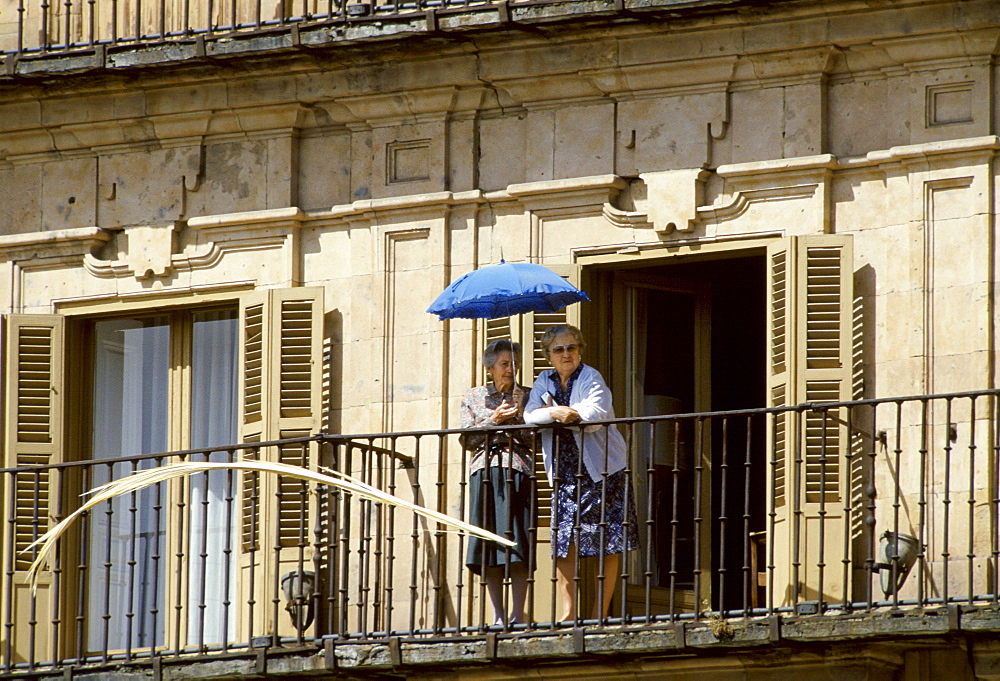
column 591, row 398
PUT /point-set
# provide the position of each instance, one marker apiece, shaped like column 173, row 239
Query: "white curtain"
column 212, row 547
column 126, row 548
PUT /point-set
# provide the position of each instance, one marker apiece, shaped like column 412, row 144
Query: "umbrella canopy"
column 504, row 290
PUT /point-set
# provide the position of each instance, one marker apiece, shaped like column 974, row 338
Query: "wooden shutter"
column 810, row 296
column 499, row 329
column 33, row 427
column 281, row 389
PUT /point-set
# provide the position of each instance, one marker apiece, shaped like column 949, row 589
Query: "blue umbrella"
column 503, row 290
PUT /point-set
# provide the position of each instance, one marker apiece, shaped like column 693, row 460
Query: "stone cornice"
column 987, row 143
column 741, row 201
column 829, row 162
column 38, row 247
column 568, row 198
column 275, row 217
column 783, row 165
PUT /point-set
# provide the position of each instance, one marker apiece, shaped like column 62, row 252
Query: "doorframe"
column 600, row 268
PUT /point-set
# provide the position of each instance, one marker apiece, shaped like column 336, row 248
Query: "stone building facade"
column 781, row 203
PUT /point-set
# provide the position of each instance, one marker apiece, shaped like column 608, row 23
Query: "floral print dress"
column 603, row 528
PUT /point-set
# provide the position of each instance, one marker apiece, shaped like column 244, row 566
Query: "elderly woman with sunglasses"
column 593, row 510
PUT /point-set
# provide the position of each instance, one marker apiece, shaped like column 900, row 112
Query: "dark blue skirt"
column 504, row 508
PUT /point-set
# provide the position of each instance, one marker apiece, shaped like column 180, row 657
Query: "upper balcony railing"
column 39, row 27
column 859, row 506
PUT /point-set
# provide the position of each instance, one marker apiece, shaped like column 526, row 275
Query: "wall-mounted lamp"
column 897, row 552
column 299, row 587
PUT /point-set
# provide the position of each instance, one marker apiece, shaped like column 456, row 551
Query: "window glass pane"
column 126, row 541
column 214, row 516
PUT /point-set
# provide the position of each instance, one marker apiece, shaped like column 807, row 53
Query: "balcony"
column 41, row 36
column 838, row 520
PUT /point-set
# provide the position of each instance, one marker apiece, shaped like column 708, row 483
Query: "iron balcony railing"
column 39, row 27
column 861, row 506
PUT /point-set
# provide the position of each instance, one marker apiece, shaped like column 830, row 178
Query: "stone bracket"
column 150, row 254
column 672, row 201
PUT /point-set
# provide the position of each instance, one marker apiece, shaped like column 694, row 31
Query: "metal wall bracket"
column 329, row 655
column 503, row 11
column 954, row 613
column 395, row 651
column 774, row 628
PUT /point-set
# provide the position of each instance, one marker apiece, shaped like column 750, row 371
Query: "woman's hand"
column 504, row 412
column 564, row 414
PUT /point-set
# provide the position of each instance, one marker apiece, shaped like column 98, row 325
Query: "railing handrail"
column 687, row 416
column 389, row 435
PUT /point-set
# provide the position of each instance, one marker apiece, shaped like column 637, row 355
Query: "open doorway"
column 678, row 336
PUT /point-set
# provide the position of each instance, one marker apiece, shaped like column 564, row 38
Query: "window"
column 176, row 378
column 133, row 381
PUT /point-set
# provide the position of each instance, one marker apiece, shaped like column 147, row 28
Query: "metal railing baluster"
column 720, row 598
column 707, row 555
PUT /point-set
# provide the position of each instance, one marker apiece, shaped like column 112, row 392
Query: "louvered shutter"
column 33, row 437
column 810, row 294
column 281, row 389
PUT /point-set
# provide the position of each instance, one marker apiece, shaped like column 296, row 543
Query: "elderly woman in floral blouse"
column 500, row 481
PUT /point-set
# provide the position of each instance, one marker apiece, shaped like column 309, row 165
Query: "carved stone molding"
column 626, row 219
column 45, row 250
column 671, row 203
column 741, row 201
column 152, row 250
column 554, row 199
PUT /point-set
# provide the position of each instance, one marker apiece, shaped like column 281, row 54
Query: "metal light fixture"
column 299, row 587
column 897, row 552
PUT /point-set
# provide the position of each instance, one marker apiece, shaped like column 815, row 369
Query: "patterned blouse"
column 478, row 406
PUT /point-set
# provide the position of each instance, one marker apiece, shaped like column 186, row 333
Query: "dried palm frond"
column 151, row 476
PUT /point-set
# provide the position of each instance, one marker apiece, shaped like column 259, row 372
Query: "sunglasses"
column 559, row 349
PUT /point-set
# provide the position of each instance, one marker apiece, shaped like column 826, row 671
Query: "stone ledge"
column 671, row 643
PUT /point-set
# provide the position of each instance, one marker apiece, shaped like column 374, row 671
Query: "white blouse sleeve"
column 536, row 411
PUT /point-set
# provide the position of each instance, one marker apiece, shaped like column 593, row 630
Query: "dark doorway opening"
column 685, row 336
